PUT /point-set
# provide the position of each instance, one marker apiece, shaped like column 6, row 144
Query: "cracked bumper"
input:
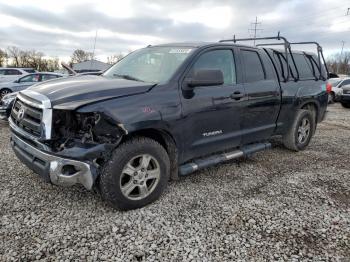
column 55, row 169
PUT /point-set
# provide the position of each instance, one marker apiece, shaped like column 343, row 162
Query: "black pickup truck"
column 165, row 111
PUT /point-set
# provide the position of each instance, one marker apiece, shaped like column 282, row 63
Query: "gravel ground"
column 277, row 205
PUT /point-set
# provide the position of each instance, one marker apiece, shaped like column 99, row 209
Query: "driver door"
column 212, row 115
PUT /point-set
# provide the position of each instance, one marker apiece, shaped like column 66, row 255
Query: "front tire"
column 299, row 135
column 4, row 92
column 136, row 174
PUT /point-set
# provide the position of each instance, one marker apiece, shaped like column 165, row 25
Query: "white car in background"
column 337, row 90
column 8, row 74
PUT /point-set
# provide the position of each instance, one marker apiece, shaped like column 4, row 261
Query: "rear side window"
column 30, row 78
column 48, row 77
column 29, row 70
column 254, row 70
column 12, row 72
column 304, row 69
column 221, row 60
column 2, row 72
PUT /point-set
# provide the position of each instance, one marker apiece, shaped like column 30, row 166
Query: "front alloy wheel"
column 140, row 177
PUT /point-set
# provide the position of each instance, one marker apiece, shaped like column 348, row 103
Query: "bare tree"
column 3, row 57
column 339, row 63
column 80, row 55
column 14, row 53
column 114, row 58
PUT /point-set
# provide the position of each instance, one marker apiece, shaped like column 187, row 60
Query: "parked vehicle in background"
column 345, row 97
column 165, row 111
column 6, row 104
column 336, row 90
column 25, row 82
column 8, row 74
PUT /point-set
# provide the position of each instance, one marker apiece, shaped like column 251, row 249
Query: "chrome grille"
column 27, row 117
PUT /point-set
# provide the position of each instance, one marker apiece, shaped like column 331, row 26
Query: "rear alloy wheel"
column 300, row 133
column 136, row 174
column 4, row 92
column 304, row 130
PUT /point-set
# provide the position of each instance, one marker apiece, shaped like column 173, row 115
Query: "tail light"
column 328, row 88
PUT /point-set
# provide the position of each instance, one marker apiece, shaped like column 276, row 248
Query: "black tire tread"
column 120, row 154
column 289, row 138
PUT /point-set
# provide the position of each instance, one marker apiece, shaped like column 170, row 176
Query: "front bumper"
column 53, row 168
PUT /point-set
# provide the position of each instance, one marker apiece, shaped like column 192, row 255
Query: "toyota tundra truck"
column 166, row 111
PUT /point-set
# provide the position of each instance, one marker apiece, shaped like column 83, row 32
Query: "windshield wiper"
column 128, row 77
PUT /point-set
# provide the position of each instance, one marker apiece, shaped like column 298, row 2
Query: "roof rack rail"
column 319, row 55
column 278, row 37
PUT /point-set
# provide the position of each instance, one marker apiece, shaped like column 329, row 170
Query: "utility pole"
column 341, row 55
column 255, row 28
column 93, row 51
column 348, row 12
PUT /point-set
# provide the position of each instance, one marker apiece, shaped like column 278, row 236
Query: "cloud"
column 129, row 24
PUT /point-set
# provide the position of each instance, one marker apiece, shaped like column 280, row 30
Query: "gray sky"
column 58, row 27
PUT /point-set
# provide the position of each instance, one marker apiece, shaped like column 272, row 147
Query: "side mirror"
column 206, row 77
column 16, row 81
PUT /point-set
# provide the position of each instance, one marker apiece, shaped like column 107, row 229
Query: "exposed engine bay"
column 84, row 135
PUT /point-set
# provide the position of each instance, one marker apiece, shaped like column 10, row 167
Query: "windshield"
column 153, row 64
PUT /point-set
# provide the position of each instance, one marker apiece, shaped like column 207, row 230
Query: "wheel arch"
column 166, row 140
column 313, row 106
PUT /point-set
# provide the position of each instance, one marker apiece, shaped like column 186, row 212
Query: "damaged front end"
column 84, row 136
column 80, row 144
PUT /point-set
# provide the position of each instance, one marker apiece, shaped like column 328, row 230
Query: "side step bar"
column 216, row 159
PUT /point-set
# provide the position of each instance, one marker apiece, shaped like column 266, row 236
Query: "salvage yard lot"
column 276, row 205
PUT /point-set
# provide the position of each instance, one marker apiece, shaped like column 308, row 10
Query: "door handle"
column 236, row 95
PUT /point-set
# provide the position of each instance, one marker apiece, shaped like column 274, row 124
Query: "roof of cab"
column 197, row 44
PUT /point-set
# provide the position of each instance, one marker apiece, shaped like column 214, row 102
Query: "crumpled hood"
column 73, row 92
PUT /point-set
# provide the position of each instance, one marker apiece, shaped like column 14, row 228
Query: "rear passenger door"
column 260, row 112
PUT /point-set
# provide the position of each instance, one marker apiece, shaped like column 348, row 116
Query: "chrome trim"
column 45, row 106
column 83, row 175
column 194, row 166
column 20, row 131
column 234, row 154
column 46, row 103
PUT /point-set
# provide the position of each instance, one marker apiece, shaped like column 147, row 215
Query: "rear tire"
column 300, row 133
column 136, row 174
column 346, row 105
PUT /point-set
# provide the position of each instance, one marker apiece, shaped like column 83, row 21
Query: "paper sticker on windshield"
column 180, row 51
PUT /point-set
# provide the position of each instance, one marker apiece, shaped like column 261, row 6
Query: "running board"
column 216, row 159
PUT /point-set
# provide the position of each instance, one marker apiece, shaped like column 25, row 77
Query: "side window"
column 48, row 77
column 345, row 82
column 2, row 72
column 12, row 72
column 254, row 70
column 218, row 59
column 30, row 78
column 304, row 68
